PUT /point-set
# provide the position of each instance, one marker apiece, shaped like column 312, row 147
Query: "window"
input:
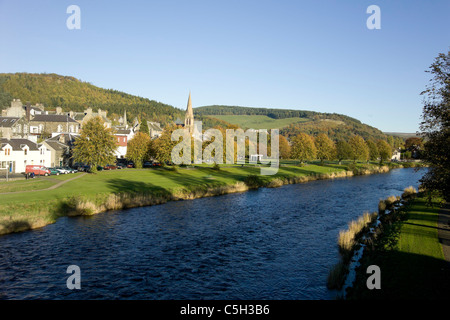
column 7, row 152
column 25, row 151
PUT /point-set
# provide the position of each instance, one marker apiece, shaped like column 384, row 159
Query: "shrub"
column 253, row 181
column 409, row 192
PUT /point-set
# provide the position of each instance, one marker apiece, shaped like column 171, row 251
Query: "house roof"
column 18, row 144
column 56, row 145
column 7, row 122
column 122, row 131
column 52, row 118
column 67, row 138
column 154, row 126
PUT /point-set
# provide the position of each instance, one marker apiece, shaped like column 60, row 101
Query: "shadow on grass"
column 403, row 276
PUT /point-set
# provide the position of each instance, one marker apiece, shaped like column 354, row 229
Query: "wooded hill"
column 54, row 90
column 292, row 122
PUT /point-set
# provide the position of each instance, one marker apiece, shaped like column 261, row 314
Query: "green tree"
column 326, row 149
column 435, row 127
column 303, row 148
column 96, row 144
column 373, row 150
column 360, row 150
column 343, row 151
column 385, row 150
column 138, row 149
column 161, row 148
column 143, row 127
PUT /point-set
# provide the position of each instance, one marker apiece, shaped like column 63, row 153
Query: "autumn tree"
column 384, row 149
column 360, row 150
column 284, row 147
column 96, row 144
column 373, row 150
column 303, row 147
column 413, row 143
column 326, row 149
column 161, row 148
column 343, row 151
column 435, row 127
column 138, row 149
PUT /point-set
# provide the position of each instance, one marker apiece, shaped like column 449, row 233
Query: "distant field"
column 258, row 121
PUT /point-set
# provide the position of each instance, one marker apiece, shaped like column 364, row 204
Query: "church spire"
column 189, row 118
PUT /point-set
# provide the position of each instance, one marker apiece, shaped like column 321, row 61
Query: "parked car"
column 62, row 170
column 71, row 170
column 38, row 170
column 53, row 171
column 110, row 167
column 147, row 164
column 121, row 166
column 130, row 165
column 156, row 164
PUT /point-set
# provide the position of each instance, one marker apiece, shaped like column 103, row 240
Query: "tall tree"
column 143, row 127
column 343, row 151
column 373, row 150
column 360, row 150
column 326, row 149
column 303, row 148
column 138, row 149
column 284, row 147
column 435, row 127
column 161, row 148
column 96, row 144
column 384, row 149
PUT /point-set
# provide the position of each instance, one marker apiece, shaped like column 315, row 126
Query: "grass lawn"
column 410, row 258
column 39, row 207
column 19, row 211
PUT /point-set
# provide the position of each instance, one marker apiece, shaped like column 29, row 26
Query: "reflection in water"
column 264, row 244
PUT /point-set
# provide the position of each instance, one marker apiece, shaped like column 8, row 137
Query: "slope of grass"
column 258, row 121
column 410, row 258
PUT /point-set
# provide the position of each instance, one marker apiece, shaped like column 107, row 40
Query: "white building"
column 122, row 138
column 396, row 155
column 16, row 154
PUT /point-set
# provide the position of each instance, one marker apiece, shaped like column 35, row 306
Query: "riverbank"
column 408, row 250
column 122, row 189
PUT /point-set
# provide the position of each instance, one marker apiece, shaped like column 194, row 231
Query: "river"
column 274, row 244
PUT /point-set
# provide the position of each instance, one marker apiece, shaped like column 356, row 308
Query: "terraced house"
column 16, row 154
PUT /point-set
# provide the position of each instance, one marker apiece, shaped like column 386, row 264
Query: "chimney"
column 28, row 111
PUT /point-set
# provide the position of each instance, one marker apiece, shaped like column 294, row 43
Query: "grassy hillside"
column 258, row 121
column 292, row 122
column 72, row 94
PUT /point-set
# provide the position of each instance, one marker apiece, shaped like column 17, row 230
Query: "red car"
column 38, row 170
column 109, row 167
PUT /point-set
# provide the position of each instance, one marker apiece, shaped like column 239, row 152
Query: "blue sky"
column 308, row 55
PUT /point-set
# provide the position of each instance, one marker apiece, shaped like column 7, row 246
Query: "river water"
column 274, row 244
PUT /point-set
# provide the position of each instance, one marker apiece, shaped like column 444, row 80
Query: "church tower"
column 189, row 118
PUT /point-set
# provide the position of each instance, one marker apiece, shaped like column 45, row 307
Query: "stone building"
column 88, row 114
column 52, row 123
